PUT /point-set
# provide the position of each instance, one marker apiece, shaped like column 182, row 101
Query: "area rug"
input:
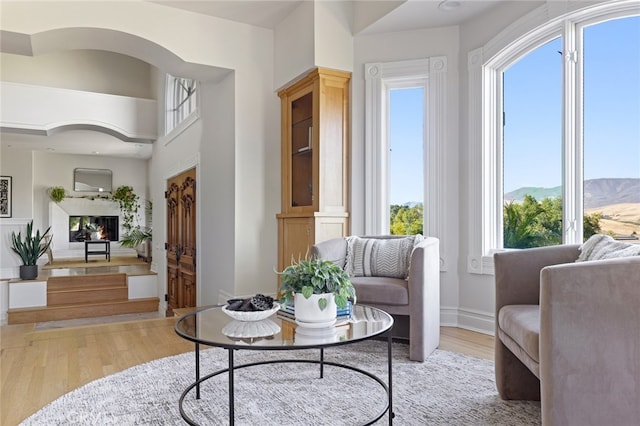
column 447, row 389
column 94, row 263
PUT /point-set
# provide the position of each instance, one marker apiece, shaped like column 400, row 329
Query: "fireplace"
column 79, row 227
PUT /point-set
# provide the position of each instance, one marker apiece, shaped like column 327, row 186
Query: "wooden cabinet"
column 315, row 148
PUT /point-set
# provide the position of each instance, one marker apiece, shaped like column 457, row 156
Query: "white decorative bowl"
column 251, row 315
column 251, row 329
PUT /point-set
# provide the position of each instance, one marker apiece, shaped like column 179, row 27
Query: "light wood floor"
column 39, row 366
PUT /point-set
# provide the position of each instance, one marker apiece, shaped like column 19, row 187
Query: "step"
column 87, row 295
column 76, row 282
column 63, row 312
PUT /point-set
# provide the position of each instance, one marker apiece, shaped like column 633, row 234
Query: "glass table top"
column 212, row 327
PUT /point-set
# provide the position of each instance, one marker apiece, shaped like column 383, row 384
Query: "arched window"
column 558, row 143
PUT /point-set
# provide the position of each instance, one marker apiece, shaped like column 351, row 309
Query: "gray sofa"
column 568, row 334
column 415, row 301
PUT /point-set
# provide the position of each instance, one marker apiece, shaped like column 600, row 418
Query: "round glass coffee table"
column 210, row 326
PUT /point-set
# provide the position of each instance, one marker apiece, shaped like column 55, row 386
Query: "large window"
column 406, row 161
column 611, row 84
column 532, row 148
column 554, row 131
column 405, row 139
column 181, row 101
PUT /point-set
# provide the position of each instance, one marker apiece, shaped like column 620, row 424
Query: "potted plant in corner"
column 30, row 249
column 317, row 289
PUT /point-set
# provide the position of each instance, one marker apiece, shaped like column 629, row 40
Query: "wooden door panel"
column 181, row 241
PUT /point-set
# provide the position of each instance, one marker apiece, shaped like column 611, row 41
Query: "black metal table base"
column 388, row 387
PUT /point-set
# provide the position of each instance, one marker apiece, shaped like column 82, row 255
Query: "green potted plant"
column 57, row 193
column 30, row 249
column 128, row 202
column 317, row 288
column 135, row 237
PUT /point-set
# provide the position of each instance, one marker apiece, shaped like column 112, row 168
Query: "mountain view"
column 597, row 192
column 617, row 201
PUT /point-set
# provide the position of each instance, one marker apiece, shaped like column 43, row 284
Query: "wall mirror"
column 92, row 180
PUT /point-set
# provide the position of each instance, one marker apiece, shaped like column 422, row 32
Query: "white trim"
column 448, row 316
column 379, row 79
column 481, row 322
column 180, row 128
column 485, row 66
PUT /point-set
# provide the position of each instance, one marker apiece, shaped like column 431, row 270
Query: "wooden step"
column 77, row 282
column 63, row 312
column 87, row 295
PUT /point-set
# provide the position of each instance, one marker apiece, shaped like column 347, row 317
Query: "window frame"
column 380, row 78
column 485, row 66
column 175, row 113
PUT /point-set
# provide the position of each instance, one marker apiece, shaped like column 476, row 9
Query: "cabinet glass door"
column 302, row 151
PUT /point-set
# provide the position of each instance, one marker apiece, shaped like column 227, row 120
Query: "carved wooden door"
column 181, row 241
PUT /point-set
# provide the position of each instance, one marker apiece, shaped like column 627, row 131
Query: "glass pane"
column 532, row 149
column 301, row 151
column 406, row 161
column 612, row 129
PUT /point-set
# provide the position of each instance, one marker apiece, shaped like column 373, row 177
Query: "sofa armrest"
column 334, row 250
column 590, row 342
column 517, row 272
column 424, row 297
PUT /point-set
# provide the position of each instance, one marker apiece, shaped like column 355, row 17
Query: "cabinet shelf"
column 303, row 123
column 315, row 146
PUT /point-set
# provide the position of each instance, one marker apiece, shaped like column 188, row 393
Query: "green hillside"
column 537, row 192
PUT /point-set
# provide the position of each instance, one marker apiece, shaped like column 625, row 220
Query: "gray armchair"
column 568, row 334
column 414, row 301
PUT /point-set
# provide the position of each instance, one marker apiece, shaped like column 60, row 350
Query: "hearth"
column 79, row 227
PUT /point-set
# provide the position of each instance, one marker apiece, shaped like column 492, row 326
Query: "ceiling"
column 369, row 17
column 398, row 15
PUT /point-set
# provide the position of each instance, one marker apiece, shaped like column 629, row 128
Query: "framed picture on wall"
column 5, row 196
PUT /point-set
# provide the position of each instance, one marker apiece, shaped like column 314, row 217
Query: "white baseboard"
column 482, row 322
column 448, row 316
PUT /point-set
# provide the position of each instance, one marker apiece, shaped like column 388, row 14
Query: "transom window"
column 181, row 101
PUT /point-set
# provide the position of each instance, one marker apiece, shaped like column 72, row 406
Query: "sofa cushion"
column 600, row 246
column 522, row 324
column 375, row 290
column 379, row 257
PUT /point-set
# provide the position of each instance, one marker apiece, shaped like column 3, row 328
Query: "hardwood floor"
column 40, row 366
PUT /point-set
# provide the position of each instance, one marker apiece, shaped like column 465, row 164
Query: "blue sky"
column 533, row 133
column 405, row 159
column 533, row 130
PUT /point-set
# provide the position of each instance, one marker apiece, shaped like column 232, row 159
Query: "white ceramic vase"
column 307, row 310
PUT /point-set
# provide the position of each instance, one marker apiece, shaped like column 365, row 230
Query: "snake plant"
column 32, row 247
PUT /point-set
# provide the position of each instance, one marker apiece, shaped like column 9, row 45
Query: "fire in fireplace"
column 80, row 227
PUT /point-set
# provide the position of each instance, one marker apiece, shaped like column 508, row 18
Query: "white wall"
column 19, row 165
column 403, row 46
column 333, row 42
column 294, row 45
column 88, row 70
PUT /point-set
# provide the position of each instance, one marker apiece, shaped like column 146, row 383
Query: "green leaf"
column 322, row 303
column 307, row 291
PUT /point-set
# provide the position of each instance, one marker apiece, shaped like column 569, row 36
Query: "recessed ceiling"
column 420, row 14
column 406, row 15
